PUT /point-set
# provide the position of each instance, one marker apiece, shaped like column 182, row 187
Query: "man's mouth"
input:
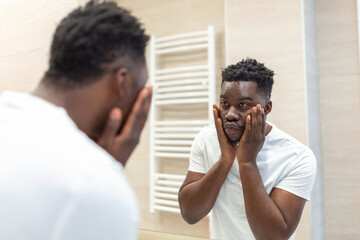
column 231, row 127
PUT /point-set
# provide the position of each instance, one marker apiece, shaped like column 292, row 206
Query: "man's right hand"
column 120, row 145
column 199, row 191
column 228, row 149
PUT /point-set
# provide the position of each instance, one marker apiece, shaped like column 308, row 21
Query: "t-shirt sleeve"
column 301, row 177
column 197, row 163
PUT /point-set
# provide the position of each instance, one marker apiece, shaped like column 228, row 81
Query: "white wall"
column 26, row 28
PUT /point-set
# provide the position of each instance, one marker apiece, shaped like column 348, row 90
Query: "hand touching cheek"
column 253, row 138
column 120, row 145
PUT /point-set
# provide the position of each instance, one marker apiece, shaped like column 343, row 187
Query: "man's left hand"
column 253, row 137
column 121, row 145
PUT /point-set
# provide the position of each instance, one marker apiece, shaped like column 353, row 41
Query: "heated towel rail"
column 183, row 85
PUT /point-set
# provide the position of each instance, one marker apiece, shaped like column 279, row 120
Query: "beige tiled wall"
column 26, row 28
column 338, row 61
column 313, row 124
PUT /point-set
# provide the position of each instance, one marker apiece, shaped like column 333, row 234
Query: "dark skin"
column 112, row 110
column 242, row 117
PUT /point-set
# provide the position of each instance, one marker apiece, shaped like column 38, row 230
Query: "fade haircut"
column 89, row 39
column 250, row 70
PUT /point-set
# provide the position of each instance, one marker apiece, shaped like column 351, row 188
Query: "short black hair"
column 250, row 70
column 89, row 39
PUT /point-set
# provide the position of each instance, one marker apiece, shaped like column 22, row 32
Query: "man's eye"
column 243, row 104
column 225, row 104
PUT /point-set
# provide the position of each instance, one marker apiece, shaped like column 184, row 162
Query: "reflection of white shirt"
column 55, row 182
column 283, row 162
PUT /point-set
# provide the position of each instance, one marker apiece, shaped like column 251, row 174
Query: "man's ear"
column 122, row 81
column 268, row 107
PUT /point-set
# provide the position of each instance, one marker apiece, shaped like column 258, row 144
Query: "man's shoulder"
column 208, row 130
column 207, row 134
column 89, row 153
column 284, row 140
column 52, row 140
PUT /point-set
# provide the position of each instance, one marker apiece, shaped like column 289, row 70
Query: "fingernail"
column 114, row 115
column 149, row 89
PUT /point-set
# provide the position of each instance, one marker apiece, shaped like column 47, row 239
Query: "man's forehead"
column 239, row 86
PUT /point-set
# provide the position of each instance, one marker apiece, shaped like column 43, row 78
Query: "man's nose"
column 232, row 114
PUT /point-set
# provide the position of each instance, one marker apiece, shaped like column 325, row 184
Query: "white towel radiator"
column 184, row 85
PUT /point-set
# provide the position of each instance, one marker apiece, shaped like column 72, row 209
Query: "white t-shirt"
column 55, row 182
column 283, row 162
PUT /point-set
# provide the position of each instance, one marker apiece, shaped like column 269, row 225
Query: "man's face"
column 236, row 101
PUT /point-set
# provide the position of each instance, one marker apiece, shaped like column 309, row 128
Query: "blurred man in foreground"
column 63, row 147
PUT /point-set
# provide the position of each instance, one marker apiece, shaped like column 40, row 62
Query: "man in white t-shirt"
column 255, row 178
column 63, row 147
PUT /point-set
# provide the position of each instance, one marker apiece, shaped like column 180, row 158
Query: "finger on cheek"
column 115, row 115
column 215, row 107
column 248, row 123
column 112, row 124
column 216, row 119
column 214, row 112
column 219, row 122
column 253, row 116
column 150, row 89
column 217, row 110
column 259, row 117
column 258, row 111
column 253, row 112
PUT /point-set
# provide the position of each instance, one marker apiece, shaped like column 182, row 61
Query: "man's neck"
column 268, row 128
column 84, row 106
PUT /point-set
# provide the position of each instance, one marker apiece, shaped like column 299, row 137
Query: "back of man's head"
column 89, row 39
